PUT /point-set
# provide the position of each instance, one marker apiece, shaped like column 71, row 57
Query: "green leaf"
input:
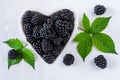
column 77, row 38
column 14, row 43
column 103, row 43
column 86, row 23
column 14, row 61
column 85, row 45
column 28, row 56
column 99, row 24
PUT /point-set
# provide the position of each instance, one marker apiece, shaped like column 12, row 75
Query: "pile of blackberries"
column 48, row 34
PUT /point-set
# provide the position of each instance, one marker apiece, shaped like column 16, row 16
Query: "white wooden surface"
column 10, row 14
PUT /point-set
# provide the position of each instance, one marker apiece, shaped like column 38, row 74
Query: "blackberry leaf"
column 91, row 34
column 86, row 23
column 18, row 53
column 77, row 38
column 99, row 24
column 85, row 45
column 104, row 43
column 14, row 43
column 28, row 56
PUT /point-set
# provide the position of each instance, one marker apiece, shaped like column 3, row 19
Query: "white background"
column 10, row 27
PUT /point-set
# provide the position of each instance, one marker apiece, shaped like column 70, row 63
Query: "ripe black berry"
column 60, row 28
column 12, row 54
column 30, row 39
column 100, row 61
column 57, row 50
column 60, row 24
column 38, row 19
column 49, row 58
column 62, row 32
column 68, row 59
column 65, row 39
column 55, row 16
column 66, row 14
column 27, row 17
column 56, row 40
column 46, row 46
column 50, row 22
column 37, row 47
column 47, row 32
column 99, row 9
column 36, row 31
column 27, row 28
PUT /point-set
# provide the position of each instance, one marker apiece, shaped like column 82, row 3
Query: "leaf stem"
column 81, row 29
column 26, row 45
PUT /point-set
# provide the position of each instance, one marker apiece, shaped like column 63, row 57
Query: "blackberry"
column 62, row 32
column 27, row 28
column 60, row 29
column 65, row 39
column 66, row 14
column 55, row 16
column 27, row 17
column 38, row 19
column 57, row 50
column 50, row 22
column 36, row 31
column 12, row 54
column 69, row 25
column 30, row 39
column 46, row 46
column 99, row 9
column 37, row 47
column 60, row 24
column 56, row 40
column 68, row 59
column 49, row 58
column 47, row 32
column 100, row 61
